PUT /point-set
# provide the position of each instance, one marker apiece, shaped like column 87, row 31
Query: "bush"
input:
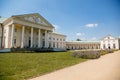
column 110, row 51
column 86, row 54
column 103, row 52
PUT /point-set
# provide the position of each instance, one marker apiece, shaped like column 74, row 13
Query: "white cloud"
column 80, row 34
column 91, row 25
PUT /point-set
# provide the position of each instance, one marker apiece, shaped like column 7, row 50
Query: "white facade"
column 109, row 42
column 79, row 45
column 0, row 36
column 30, row 31
column 33, row 31
column 59, row 40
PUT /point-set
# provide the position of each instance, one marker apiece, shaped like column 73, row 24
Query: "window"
column 15, row 30
column 108, row 46
column 14, row 41
column 37, row 33
column 60, row 39
column 54, row 44
column 43, row 34
column 104, row 46
column 49, row 44
column 114, row 46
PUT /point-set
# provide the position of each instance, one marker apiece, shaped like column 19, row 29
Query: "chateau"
column 29, row 31
column 34, row 31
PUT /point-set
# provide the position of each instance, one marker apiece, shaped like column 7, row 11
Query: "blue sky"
column 84, row 19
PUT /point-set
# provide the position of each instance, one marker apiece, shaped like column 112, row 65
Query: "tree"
column 78, row 39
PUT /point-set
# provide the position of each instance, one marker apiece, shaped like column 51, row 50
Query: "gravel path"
column 105, row 68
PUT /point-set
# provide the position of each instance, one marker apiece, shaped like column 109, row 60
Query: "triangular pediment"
column 108, row 37
column 35, row 18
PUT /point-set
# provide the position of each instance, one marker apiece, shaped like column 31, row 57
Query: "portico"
column 27, row 31
column 28, row 37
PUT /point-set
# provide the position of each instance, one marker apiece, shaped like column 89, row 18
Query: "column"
column 51, row 40
column 12, row 36
column 31, row 37
column 22, row 42
column 39, row 31
column 45, row 38
column 61, row 44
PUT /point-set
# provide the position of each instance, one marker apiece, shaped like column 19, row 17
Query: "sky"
column 83, row 19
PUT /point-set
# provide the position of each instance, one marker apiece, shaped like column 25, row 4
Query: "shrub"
column 86, row 54
column 103, row 52
column 110, row 51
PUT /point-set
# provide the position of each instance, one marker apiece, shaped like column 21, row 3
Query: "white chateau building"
column 33, row 31
column 29, row 31
column 110, row 42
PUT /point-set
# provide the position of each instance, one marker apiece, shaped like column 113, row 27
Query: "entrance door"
column 29, row 42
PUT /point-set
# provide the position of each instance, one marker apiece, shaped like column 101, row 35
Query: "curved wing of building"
column 83, row 45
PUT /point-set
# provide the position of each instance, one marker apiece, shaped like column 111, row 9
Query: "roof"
column 108, row 36
column 2, row 19
column 85, row 41
column 59, row 34
column 35, row 15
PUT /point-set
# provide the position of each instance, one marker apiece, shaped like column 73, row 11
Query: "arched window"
column 114, row 46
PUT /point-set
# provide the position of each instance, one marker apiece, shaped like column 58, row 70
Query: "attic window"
column 108, row 37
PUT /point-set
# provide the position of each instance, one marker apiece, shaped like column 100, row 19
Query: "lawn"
column 21, row 66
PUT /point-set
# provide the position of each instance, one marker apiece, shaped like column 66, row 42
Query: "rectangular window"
column 114, row 46
column 104, row 46
column 43, row 34
column 14, row 41
column 37, row 33
column 54, row 45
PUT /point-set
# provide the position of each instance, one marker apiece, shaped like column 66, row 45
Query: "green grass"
column 20, row 66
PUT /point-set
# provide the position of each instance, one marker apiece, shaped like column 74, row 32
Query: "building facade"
column 0, row 36
column 108, row 42
column 29, row 31
column 33, row 31
column 59, row 40
column 79, row 45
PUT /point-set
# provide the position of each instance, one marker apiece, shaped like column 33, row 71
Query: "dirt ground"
column 105, row 68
